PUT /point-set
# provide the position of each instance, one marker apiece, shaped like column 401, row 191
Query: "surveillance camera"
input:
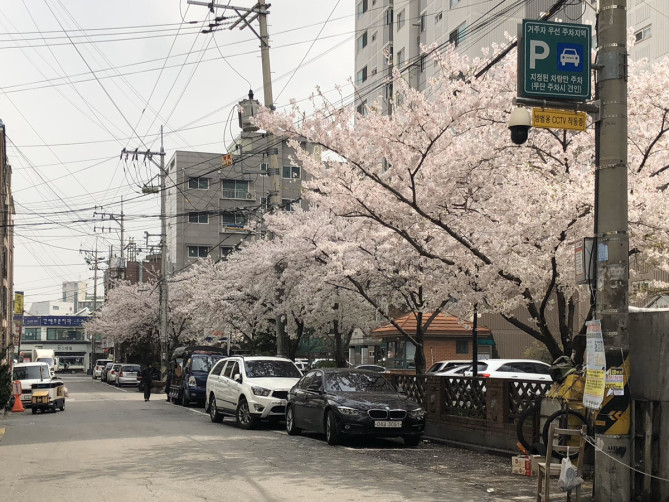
column 520, row 123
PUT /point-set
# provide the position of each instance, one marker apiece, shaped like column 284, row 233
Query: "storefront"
column 63, row 334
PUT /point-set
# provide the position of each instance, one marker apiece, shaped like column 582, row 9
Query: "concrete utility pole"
column 92, row 260
column 162, row 284
column 612, row 423
column 245, row 17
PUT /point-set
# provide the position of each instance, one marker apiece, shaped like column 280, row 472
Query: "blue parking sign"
column 554, row 60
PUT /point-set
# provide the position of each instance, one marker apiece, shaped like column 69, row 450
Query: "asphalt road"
column 110, row 445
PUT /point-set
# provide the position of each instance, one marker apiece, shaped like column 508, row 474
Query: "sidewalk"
column 479, row 473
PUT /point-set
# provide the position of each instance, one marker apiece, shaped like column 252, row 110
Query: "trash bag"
column 561, row 368
column 569, row 478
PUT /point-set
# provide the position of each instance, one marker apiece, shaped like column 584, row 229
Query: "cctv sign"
column 554, row 60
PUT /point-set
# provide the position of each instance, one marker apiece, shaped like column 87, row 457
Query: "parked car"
column 112, row 373
column 440, row 366
column 28, row 374
column 250, row 388
column 342, row 402
column 302, row 365
column 105, row 371
column 372, row 367
column 99, row 366
column 521, row 369
column 188, row 372
column 128, row 374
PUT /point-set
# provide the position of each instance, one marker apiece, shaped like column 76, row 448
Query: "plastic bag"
column 569, row 478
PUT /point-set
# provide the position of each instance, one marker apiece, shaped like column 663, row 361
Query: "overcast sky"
column 82, row 79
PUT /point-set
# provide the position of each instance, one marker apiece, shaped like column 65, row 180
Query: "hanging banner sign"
column 595, row 366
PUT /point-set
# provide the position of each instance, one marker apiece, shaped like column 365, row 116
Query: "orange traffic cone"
column 18, row 405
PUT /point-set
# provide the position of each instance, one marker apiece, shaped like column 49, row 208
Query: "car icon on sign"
column 569, row 56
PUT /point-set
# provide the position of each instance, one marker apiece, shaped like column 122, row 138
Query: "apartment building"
column 215, row 201
column 6, row 245
column 390, row 34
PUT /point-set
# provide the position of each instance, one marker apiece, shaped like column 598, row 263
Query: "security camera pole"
column 545, row 54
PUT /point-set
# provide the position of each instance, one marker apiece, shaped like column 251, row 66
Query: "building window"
column 264, row 203
column 389, row 16
column 31, row 334
column 264, row 168
column 226, row 251
column 454, row 3
column 362, row 41
column 55, row 307
column 438, row 17
column 287, row 205
column 400, row 19
column 64, row 334
column 198, row 251
column 458, row 35
column 291, row 172
column 362, row 108
column 423, row 59
column 400, row 56
column 234, row 220
column 362, row 7
column 198, row 217
column 462, row 347
column 236, row 189
column 374, row 71
column 361, row 76
column 198, row 183
column 373, row 36
column 642, row 34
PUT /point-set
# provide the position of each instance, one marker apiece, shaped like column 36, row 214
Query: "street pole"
column 475, row 343
column 162, row 283
column 612, row 423
column 163, row 260
column 245, row 17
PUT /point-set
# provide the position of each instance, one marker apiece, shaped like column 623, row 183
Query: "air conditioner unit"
column 250, row 196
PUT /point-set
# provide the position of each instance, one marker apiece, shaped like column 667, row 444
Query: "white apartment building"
column 390, row 33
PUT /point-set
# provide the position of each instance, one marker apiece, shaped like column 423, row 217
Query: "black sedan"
column 344, row 402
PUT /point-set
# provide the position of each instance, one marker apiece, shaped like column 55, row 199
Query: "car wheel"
column 291, row 429
column 245, row 419
column 215, row 416
column 332, row 432
column 411, row 440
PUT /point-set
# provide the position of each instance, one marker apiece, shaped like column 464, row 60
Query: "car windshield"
column 204, row 362
column 357, row 382
column 30, row 373
column 281, row 369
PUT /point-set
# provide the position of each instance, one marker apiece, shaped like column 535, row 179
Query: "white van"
column 28, row 374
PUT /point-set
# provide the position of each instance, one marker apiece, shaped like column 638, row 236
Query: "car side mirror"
column 237, row 378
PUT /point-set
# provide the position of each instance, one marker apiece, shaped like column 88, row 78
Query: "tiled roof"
column 441, row 326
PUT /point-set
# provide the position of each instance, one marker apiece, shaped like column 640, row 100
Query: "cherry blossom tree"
column 499, row 220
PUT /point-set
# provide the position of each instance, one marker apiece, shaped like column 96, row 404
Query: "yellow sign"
column 559, row 119
column 18, row 303
column 227, row 160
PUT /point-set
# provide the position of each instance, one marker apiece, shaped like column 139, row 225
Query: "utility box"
column 248, row 108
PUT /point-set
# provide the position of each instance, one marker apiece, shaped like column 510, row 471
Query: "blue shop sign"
column 55, row 320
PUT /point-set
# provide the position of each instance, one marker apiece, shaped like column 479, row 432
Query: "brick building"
column 445, row 338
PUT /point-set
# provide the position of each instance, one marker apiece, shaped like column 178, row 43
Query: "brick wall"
column 444, row 350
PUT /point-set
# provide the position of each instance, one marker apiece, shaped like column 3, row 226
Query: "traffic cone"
column 18, row 405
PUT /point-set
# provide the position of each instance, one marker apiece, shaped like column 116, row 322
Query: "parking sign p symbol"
column 538, row 50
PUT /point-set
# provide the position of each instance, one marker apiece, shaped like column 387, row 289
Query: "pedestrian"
column 168, row 382
column 147, row 381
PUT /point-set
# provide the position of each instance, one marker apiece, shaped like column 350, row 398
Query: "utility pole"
column 91, row 258
column 612, row 437
column 162, row 284
column 245, row 17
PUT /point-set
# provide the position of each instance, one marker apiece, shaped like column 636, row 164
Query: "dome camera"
column 519, row 124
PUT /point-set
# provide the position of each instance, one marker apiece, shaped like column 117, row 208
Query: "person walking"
column 147, row 381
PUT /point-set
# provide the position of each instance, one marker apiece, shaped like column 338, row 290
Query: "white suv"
column 249, row 388
column 28, row 374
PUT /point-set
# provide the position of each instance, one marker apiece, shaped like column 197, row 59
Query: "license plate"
column 388, row 424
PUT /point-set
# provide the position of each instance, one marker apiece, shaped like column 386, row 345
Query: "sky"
column 82, row 80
